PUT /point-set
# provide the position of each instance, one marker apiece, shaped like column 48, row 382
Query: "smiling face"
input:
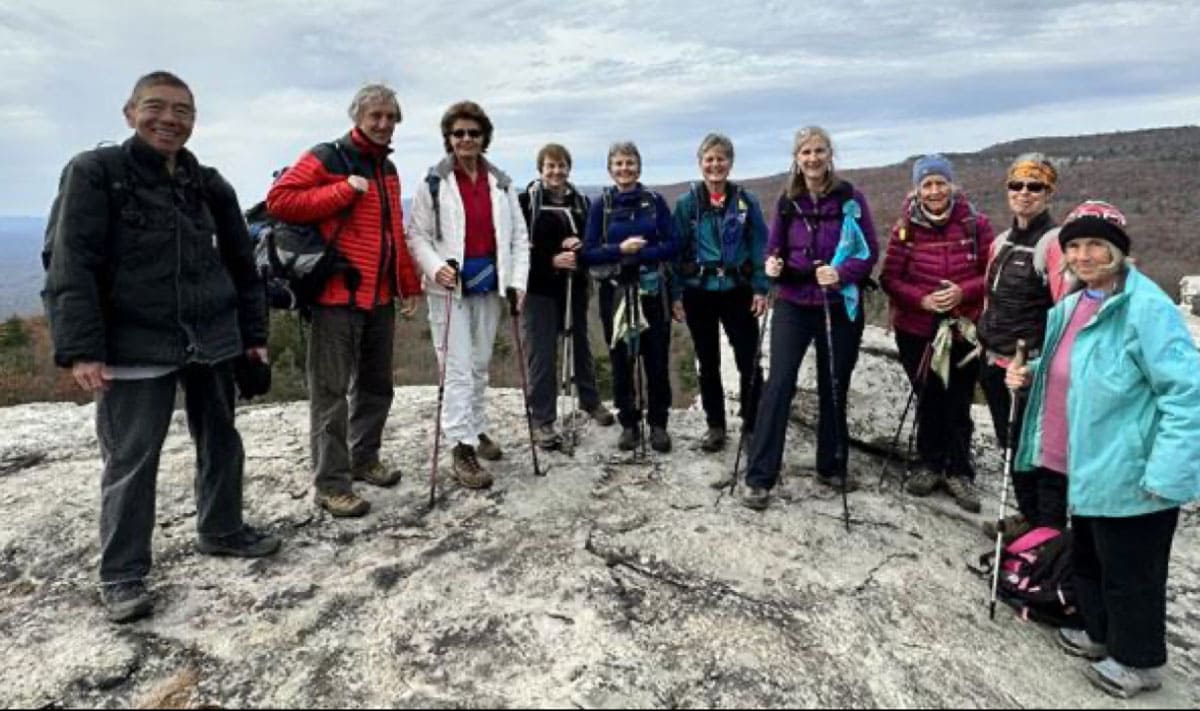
column 1090, row 259
column 555, row 173
column 815, row 160
column 377, row 121
column 163, row 116
column 1029, row 199
column 934, row 194
column 466, row 140
column 625, row 169
column 715, row 166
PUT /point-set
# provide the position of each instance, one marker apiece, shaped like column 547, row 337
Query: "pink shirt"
column 1058, row 379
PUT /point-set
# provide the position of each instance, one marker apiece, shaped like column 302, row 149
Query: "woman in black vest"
column 1025, row 279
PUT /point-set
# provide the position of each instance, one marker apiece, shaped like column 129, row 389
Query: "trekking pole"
column 1013, row 393
column 833, row 385
column 515, row 314
column 755, row 376
column 633, row 346
column 568, row 372
column 887, row 459
column 437, row 428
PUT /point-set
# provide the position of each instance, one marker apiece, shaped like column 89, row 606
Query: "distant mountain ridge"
column 1153, row 175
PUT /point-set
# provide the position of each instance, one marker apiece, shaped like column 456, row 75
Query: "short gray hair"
column 372, row 94
column 716, row 140
column 628, row 148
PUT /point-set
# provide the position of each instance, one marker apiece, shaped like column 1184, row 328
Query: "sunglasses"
column 1017, row 186
column 464, row 132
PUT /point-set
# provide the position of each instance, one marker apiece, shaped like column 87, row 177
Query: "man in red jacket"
column 352, row 190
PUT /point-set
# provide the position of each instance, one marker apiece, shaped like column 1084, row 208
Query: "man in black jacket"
column 150, row 286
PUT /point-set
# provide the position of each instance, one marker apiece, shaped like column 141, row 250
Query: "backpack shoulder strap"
column 607, row 201
column 434, row 181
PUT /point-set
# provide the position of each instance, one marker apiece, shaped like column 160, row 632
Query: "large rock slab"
column 606, row 583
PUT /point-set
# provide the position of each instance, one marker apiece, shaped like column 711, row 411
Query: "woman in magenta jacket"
column 934, row 274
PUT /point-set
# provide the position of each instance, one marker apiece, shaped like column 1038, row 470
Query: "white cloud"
column 889, row 78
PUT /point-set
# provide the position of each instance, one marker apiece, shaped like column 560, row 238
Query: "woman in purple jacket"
column 821, row 247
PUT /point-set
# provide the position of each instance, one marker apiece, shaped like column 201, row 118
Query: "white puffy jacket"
column 431, row 253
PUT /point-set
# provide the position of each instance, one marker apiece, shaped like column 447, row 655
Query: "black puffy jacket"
column 149, row 268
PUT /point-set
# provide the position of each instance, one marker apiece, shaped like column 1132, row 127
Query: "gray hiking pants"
column 132, row 418
column 349, row 373
column 543, row 317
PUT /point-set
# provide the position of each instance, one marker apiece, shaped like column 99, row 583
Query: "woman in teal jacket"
column 1115, row 405
column 722, row 281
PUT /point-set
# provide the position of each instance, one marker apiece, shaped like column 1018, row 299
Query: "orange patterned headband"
column 1034, row 170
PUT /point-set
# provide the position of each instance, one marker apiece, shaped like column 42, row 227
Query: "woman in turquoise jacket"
column 1115, row 405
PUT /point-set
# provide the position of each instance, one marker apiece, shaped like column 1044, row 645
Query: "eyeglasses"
column 464, row 132
column 1035, row 188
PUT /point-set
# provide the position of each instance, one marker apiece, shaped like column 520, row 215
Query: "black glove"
column 253, row 377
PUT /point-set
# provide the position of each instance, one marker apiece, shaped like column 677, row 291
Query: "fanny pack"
column 479, row 275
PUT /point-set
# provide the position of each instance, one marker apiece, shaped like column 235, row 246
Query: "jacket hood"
column 445, row 168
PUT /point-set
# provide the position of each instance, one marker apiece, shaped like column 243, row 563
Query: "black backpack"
column 1036, row 577
column 294, row 260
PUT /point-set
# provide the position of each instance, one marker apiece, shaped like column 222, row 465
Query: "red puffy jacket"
column 315, row 190
column 920, row 256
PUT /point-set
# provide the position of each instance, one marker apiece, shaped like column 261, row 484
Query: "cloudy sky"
column 889, row 79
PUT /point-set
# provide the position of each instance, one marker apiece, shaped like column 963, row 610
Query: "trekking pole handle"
column 1019, row 357
column 511, row 295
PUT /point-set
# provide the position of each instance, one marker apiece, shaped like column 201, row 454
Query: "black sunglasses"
column 464, row 132
column 1035, row 188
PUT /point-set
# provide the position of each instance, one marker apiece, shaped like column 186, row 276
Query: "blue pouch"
column 479, row 275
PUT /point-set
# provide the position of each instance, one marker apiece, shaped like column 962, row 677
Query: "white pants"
column 473, row 323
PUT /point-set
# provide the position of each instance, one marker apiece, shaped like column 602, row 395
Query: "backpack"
column 1036, row 577
column 689, row 264
column 295, row 262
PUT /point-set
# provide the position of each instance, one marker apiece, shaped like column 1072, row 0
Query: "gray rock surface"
column 604, row 584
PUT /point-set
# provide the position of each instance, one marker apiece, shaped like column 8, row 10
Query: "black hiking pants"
column 132, row 419
column 944, row 424
column 653, row 348
column 543, row 319
column 707, row 312
column 1120, row 568
column 793, row 328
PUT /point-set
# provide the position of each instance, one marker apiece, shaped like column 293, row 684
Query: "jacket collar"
column 153, row 164
column 445, row 168
column 366, row 146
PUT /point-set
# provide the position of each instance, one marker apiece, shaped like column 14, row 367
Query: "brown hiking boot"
column 488, row 449
column 924, row 482
column 545, row 437
column 714, row 440
column 1012, row 527
column 467, row 471
column 377, row 475
column 347, row 505
column 601, row 415
column 963, row 492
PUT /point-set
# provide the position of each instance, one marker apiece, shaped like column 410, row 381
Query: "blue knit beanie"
column 933, row 164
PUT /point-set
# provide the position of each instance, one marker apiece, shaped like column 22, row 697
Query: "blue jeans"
column 793, row 328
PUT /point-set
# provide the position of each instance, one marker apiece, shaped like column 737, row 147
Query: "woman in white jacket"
column 469, row 238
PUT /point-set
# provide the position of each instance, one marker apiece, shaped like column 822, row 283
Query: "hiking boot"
column 963, row 491
column 546, row 438
column 245, row 543
column 488, row 449
column 660, row 440
column 834, row 481
column 1116, row 679
column 628, row 441
column 376, row 474
column 1077, row 643
column 1012, row 527
column 756, row 498
column 923, row 483
column 601, row 415
column 127, row 601
column 467, row 471
column 343, row 505
column 714, row 440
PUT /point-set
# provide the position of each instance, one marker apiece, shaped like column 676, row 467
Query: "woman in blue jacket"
column 1115, row 405
column 630, row 241
column 722, row 240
